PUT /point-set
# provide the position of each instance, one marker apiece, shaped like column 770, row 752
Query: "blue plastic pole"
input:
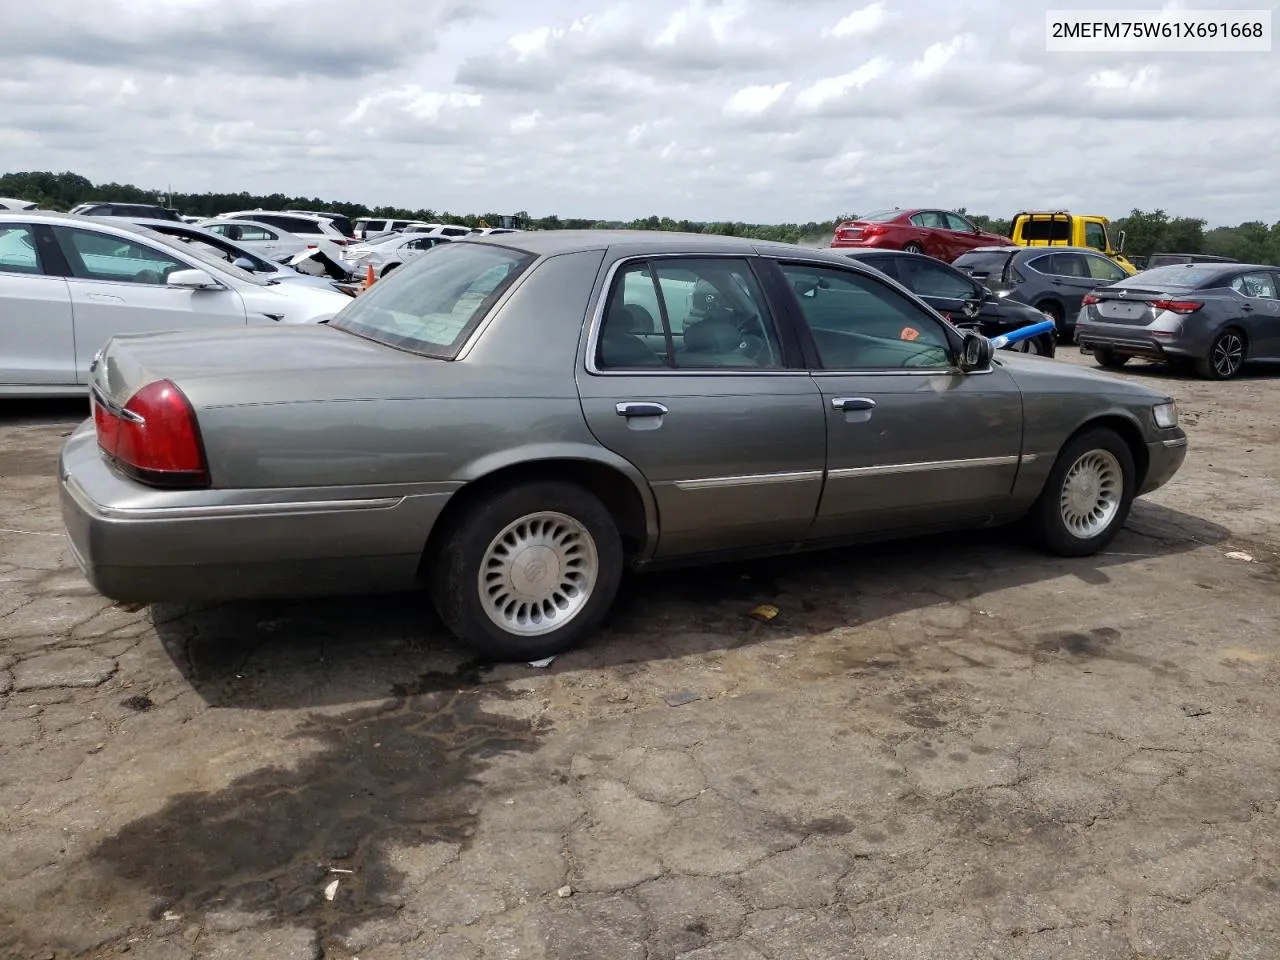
column 1022, row 333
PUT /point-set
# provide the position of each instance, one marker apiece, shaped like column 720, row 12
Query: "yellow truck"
column 1062, row 229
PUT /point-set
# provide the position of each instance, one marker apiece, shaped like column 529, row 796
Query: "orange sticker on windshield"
column 908, row 333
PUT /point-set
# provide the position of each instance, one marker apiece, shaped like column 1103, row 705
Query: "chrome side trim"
column 1175, row 443
column 1030, row 457
column 712, row 483
column 224, row 510
column 925, row 466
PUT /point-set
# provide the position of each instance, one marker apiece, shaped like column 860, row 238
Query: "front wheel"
column 1087, row 497
column 528, row 572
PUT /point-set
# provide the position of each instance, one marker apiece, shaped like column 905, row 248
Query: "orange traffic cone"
column 369, row 278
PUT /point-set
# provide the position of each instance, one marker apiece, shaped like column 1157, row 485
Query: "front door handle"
column 852, row 403
column 1247, row 307
column 635, row 408
column 106, row 298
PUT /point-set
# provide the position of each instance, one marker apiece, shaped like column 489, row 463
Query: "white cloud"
column 936, row 56
column 866, row 20
column 750, row 101
column 819, row 94
column 756, row 110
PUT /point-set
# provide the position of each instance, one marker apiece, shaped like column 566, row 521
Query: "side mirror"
column 244, row 263
column 192, row 280
column 1120, row 242
column 975, row 352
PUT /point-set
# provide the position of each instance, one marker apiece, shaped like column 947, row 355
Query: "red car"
column 938, row 233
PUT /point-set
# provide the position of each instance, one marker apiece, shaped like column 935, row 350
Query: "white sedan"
column 68, row 284
column 387, row 253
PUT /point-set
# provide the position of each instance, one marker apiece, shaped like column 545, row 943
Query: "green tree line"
column 1146, row 232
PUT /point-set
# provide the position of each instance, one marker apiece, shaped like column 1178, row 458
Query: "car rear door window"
column 250, row 232
column 699, row 313
column 860, row 323
column 1259, row 285
column 18, row 252
column 1061, row 265
column 930, row 218
column 101, row 256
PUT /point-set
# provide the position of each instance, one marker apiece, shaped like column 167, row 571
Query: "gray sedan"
column 516, row 420
column 1210, row 317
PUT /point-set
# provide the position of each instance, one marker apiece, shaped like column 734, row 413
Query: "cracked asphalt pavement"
column 951, row 748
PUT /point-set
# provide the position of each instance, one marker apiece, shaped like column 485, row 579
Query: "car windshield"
column 201, row 253
column 432, row 305
column 1184, row 276
column 880, row 216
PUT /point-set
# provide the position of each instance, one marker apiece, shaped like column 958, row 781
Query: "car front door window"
column 959, row 223
column 860, row 323
column 100, row 256
column 1100, row 268
column 687, row 314
column 1095, row 236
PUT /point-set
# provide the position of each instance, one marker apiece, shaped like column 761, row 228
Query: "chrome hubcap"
column 1091, row 494
column 1227, row 354
column 538, row 573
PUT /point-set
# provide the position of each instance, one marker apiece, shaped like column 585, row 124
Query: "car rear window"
column 1053, row 231
column 431, row 306
column 1185, row 276
column 880, row 216
column 982, row 265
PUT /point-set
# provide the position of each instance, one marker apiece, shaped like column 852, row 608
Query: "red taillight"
column 1089, row 300
column 155, row 438
column 873, row 230
column 1178, row 306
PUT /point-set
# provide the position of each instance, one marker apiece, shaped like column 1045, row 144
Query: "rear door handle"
column 105, row 297
column 852, row 403
column 1247, row 307
column 635, row 408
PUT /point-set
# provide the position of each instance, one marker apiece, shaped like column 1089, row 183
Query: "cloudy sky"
column 756, row 110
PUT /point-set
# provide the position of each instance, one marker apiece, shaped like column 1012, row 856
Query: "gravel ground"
column 951, row 748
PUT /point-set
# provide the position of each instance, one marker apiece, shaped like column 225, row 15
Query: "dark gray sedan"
column 1053, row 280
column 515, row 420
column 1210, row 317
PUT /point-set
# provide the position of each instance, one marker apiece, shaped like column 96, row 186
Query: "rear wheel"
column 528, row 572
column 1226, row 356
column 912, row 247
column 388, row 268
column 1087, row 497
column 1106, row 357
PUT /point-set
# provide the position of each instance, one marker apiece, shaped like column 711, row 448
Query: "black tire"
column 1041, row 346
column 454, row 569
column 1215, row 365
column 1106, row 357
column 1054, row 312
column 1047, row 521
column 388, row 268
column 912, row 247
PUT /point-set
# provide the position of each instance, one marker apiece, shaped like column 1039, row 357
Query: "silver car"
column 69, row 283
column 1208, row 317
column 515, row 420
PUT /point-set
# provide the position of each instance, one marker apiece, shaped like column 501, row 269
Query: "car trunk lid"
column 1130, row 306
column 256, row 365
